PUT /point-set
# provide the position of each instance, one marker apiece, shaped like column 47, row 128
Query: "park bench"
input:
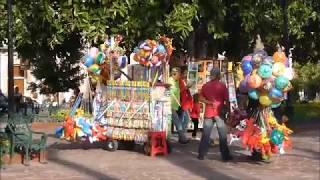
column 25, row 140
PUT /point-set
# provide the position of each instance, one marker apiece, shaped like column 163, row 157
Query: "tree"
column 43, row 27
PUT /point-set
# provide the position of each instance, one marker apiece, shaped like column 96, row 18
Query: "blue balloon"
column 59, row 132
column 281, row 82
column 88, row 61
column 275, row 93
column 265, row 71
column 122, row 61
column 161, row 48
column 261, row 52
column 86, row 127
column 246, row 67
column 253, row 94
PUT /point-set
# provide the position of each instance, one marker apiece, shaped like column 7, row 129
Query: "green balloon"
column 276, row 137
column 265, row 71
column 281, row 82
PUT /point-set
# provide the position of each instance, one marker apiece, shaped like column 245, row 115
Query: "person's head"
column 175, row 73
column 16, row 89
column 196, row 97
column 215, row 73
column 184, row 74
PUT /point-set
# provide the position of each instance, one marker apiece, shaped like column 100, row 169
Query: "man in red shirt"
column 214, row 94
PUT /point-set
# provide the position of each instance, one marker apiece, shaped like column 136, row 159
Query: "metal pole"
column 286, row 39
column 10, row 60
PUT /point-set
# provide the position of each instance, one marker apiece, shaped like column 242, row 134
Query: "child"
column 195, row 114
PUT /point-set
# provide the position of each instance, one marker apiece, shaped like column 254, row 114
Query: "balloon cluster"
column 80, row 127
column 269, row 137
column 152, row 52
column 267, row 78
column 98, row 60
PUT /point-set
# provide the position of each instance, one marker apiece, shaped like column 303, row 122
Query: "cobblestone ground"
column 72, row 161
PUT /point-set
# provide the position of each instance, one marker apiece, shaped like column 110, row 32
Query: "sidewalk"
column 68, row 161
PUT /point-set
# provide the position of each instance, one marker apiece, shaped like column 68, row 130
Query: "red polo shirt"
column 217, row 92
column 185, row 96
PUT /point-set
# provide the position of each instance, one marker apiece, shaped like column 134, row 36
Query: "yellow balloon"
column 278, row 69
column 265, row 100
column 103, row 47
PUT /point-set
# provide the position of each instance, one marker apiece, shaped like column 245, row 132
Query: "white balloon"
column 288, row 73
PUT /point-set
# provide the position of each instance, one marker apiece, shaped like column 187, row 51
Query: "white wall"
column 4, row 72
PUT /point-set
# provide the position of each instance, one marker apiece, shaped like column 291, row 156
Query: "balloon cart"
column 266, row 82
column 133, row 111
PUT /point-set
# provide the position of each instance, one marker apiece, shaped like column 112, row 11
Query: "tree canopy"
column 51, row 33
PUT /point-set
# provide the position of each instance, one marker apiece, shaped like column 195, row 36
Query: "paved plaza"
column 76, row 162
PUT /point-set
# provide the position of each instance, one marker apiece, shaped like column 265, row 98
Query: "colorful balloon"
column 275, row 93
column 254, row 81
column 288, row 73
column 243, row 87
column 265, row 100
column 281, row 82
column 93, row 52
column 95, row 69
column 155, row 60
column 276, row 137
column 268, row 60
column 275, row 104
column 279, row 57
column 246, row 67
column 100, row 58
column 122, row 61
column 278, row 69
column 256, row 60
column 253, row 94
column 265, row 71
column 161, row 49
column 247, row 58
column 88, row 61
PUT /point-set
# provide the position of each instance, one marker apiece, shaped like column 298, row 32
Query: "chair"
column 23, row 138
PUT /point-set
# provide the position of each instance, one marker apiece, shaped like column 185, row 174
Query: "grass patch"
column 306, row 112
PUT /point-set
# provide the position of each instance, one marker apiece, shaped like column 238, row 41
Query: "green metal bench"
column 4, row 140
column 24, row 140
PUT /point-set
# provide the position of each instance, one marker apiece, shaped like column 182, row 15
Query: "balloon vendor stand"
column 134, row 110
column 266, row 82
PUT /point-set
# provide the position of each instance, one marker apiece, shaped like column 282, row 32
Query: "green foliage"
column 60, row 114
column 303, row 112
column 44, row 29
column 307, row 77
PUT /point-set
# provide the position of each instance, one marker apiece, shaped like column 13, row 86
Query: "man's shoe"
column 200, row 157
column 184, row 142
column 229, row 158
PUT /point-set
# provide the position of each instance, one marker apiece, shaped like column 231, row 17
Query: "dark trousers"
column 195, row 126
column 205, row 138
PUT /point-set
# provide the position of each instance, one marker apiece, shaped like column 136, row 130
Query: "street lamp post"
column 10, row 60
column 286, row 42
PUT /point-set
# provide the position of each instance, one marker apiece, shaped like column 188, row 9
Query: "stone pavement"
column 74, row 162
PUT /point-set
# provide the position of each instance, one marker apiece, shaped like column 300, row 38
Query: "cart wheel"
column 146, row 148
column 112, row 145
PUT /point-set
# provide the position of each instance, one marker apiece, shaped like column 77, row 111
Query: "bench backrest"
column 20, row 123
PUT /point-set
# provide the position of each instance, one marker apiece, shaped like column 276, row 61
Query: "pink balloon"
column 247, row 58
column 93, row 52
column 154, row 60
